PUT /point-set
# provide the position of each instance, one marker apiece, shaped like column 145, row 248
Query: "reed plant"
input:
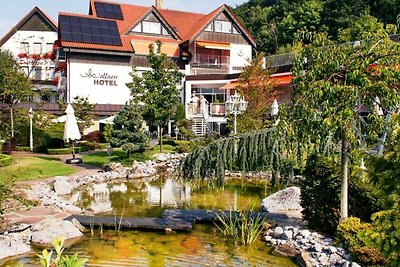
column 242, row 226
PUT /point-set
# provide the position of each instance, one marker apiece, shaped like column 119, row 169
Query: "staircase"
column 199, row 126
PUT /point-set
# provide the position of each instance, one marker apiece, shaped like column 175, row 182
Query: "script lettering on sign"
column 102, row 79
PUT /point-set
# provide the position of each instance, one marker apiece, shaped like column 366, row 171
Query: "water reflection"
column 149, row 199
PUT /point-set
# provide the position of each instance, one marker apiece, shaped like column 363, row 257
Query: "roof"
column 183, row 26
column 35, row 10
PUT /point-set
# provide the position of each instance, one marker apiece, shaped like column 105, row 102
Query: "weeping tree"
column 333, row 84
column 271, row 149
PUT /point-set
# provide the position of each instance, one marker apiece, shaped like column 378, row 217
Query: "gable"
column 151, row 25
column 36, row 23
column 222, row 24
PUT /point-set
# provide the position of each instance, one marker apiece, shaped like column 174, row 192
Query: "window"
column 222, row 26
column 235, row 30
column 165, row 31
column 138, row 28
column 37, row 48
column 38, row 73
column 151, row 27
column 210, row 27
column 49, row 47
column 24, row 47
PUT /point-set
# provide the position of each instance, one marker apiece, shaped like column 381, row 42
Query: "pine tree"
column 127, row 130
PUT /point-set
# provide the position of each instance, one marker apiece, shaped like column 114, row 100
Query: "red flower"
column 22, row 55
column 55, row 81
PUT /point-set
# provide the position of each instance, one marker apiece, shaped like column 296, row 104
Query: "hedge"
column 64, row 151
column 23, row 148
column 5, row 160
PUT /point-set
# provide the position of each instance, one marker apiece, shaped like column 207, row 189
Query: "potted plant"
column 217, row 107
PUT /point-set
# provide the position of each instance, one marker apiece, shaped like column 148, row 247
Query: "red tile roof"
column 186, row 26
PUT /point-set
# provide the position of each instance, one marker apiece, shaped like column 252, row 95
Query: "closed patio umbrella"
column 71, row 130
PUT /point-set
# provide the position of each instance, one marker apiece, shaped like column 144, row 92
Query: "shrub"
column 23, row 148
column 95, row 136
column 354, row 235
column 5, row 160
column 320, row 192
column 184, row 147
column 90, row 145
column 65, row 151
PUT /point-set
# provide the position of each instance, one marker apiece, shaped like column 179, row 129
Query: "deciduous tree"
column 334, row 83
column 157, row 89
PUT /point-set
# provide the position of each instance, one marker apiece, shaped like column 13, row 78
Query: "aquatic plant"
column 243, row 226
column 46, row 259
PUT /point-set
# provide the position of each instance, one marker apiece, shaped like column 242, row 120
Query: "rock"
column 268, row 238
column 278, row 232
column 317, row 248
column 305, row 233
column 286, row 250
column 62, row 186
column 46, row 231
column 114, row 166
column 161, row 157
column 355, row 264
column 346, row 264
column 332, row 249
column 78, row 224
column 15, row 244
column 287, row 235
column 284, row 200
column 304, row 259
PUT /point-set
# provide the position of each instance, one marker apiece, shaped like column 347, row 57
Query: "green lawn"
column 30, row 168
column 101, row 159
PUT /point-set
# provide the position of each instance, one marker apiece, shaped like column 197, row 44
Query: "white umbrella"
column 71, row 130
column 109, row 120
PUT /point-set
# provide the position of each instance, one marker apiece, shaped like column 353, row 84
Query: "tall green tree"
column 127, row 130
column 15, row 86
column 157, row 89
column 334, row 83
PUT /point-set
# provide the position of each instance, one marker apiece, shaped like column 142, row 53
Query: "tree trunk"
column 12, row 122
column 344, row 205
column 160, row 132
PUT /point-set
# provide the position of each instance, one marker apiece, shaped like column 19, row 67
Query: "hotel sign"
column 102, row 79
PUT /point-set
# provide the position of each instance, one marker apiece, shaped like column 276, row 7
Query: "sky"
column 13, row 11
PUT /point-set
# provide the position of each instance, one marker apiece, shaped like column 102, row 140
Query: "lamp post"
column 176, row 131
column 235, row 105
column 109, row 151
column 275, row 111
column 30, row 115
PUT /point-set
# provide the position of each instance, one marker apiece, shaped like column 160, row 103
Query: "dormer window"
column 222, row 26
column 151, row 27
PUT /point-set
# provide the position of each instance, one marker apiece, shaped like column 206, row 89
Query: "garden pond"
column 203, row 246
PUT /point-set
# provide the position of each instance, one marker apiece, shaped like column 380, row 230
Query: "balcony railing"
column 194, row 110
column 211, row 61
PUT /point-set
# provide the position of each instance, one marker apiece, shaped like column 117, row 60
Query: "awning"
column 282, row 80
column 211, row 45
column 230, row 85
column 109, row 120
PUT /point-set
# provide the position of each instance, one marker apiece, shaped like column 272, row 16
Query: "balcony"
column 213, row 110
column 211, row 61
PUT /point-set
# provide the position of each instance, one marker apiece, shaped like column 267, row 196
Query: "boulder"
column 284, row 200
column 62, row 186
column 287, row 235
column 15, row 244
column 286, row 250
column 114, row 166
column 278, row 232
column 160, row 157
column 46, row 231
column 304, row 259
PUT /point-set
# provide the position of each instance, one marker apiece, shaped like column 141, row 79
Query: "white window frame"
column 37, row 48
column 223, row 26
column 151, row 27
column 210, row 27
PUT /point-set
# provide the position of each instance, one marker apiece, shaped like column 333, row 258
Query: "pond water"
column 203, row 246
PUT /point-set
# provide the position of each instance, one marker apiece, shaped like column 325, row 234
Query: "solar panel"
column 89, row 30
column 108, row 11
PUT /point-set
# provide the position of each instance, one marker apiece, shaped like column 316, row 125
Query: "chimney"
column 159, row 3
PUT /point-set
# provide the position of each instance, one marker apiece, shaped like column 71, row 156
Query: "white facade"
column 240, row 56
column 101, row 83
column 25, row 44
